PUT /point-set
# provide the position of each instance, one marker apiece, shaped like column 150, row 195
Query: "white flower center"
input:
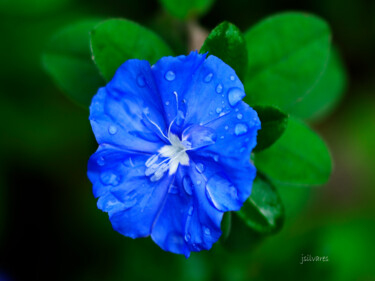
column 175, row 154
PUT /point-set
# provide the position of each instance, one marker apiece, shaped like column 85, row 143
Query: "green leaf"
column 273, row 122
column 287, row 55
column 68, row 60
column 184, row 9
column 263, row 211
column 226, row 225
column 116, row 40
column 227, row 43
column 322, row 99
column 299, row 158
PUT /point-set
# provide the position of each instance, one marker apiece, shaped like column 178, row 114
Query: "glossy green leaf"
column 184, row 9
column 322, row 99
column 299, row 158
column 273, row 122
column 287, row 55
column 227, row 43
column 116, row 40
column 263, row 211
column 68, row 60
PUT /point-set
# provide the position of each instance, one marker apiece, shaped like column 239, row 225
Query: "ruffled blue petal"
column 127, row 113
column 130, row 198
column 187, row 221
column 173, row 77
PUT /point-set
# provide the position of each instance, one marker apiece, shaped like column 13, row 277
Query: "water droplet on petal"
column 226, row 127
column 216, row 157
column 232, row 77
column 222, row 137
column 180, row 118
column 200, row 167
column 188, row 185
column 199, row 182
column 170, row 75
column 236, row 110
column 207, row 231
column 208, row 78
column 167, row 103
column 128, row 203
column 112, row 130
column 218, row 110
column 187, row 237
column 100, row 161
column 190, row 211
column 141, row 81
column 235, row 95
column 219, row 88
column 240, row 129
column 239, row 116
column 108, row 178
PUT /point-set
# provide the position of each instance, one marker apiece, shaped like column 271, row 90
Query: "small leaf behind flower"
column 322, row 99
column 227, row 43
column 287, row 54
column 68, row 60
column 263, row 211
column 299, row 158
column 116, row 40
column 273, row 122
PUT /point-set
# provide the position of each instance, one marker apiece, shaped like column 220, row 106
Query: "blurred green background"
column 50, row 228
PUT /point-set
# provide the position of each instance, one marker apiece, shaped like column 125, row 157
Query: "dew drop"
column 128, row 203
column 222, row 114
column 219, row 88
column 240, row 129
column 191, row 210
column 170, row 75
column 235, row 95
column 226, row 128
column 167, row 103
column 109, row 178
column 232, row 78
column 199, row 182
column 100, row 161
column 200, row 167
column 112, row 130
column 216, row 157
column 222, row 137
column 239, row 116
column 208, row 78
column 188, row 185
column 187, row 237
column 141, row 81
column 236, row 110
column 207, row 231
column 218, row 110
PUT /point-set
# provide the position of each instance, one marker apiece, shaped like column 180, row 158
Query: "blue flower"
column 174, row 148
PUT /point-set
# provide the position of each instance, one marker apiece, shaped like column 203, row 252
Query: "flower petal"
column 173, row 78
column 187, row 221
column 127, row 113
column 130, row 198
